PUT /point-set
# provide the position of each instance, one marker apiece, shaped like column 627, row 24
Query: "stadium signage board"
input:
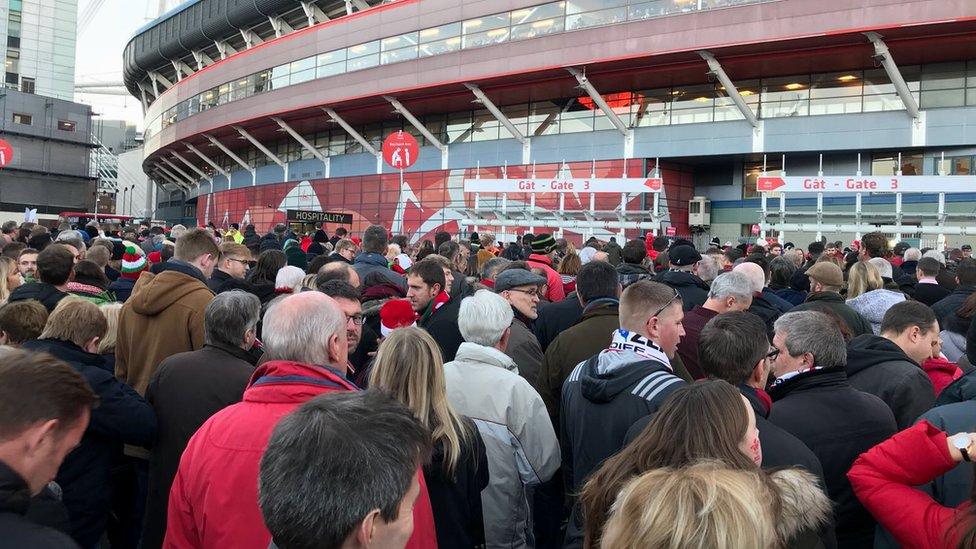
column 560, row 185
column 868, row 183
column 307, row 216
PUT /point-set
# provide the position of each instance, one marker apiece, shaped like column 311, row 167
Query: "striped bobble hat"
column 133, row 261
column 543, row 244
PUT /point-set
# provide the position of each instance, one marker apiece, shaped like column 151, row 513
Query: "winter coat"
column 553, row 281
column 628, row 273
column 483, row 384
column 121, row 288
column 524, row 349
column 456, row 502
column 929, row 294
column 296, row 257
column 222, row 282
column 368, row 262
column 953, row 345
column 834, row 302
column 90, row 293
column 556, row 317
column 693, row 322
column 164, row 316
column 591, row 334
column 874, row 304
column 947, row 306
column 838, row 423
column 252, row 241
column 794, row 297
column 214, row 500
column 122, row 417
column 766, row 310
column 270, row 241
column 186, row 390
column 693, row 290
column 877, row 366
column 17, row 529
column 442, row 325
column 971, row 343
column 614, row 253
column 48, row 295
column 941, row 373
column 885, row 477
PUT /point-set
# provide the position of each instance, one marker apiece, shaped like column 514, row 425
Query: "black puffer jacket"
column 838, row 423
column 876, row 365
column 554, row 318
column 693, row 290
column 48, row 295
column 16, row 528
column 122, row 417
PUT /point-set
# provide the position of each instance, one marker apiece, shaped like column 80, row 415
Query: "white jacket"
column 483, row 384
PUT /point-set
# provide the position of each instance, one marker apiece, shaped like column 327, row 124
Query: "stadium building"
column 579, row 116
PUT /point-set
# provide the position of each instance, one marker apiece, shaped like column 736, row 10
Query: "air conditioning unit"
column 699, row 212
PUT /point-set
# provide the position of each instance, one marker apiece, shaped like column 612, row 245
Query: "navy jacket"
column 17, row 528
column 122, row 417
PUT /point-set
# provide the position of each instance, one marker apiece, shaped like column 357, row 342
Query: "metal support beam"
column 180, row 170
column 280, row 26
column 271, row 156
column 882, row 54
column 175, row 178
column 359, row 5
column 224, row 48
column 415, row 123
column 351, row 131
column 305, row 144
column 181, row 68
column 192, row 166
column 202, row 59
column 496, row 112
column 250, row 37
column 207, row 159
column 716, row 69
column 314, row 13
column 229, row 153
column 598, row 100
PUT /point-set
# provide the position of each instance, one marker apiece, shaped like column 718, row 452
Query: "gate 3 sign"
column 575, row 185
column 868, row 183
column 306, row 216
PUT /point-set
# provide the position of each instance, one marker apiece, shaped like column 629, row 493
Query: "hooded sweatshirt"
column 164, row 316
column 878, row 366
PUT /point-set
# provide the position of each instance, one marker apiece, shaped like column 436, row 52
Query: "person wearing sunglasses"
column 607, row 393
column 521, row 288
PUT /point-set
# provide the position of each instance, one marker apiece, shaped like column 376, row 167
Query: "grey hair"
column 229, row 315
column 491, row 267
column 936, row 255
column 707, row 268
column 484, row 317
column 884, row 268
column 298, row 327
column 815, row 333
column 912, row 254
column 177, row 231
column 733, row 284
column 71, row 238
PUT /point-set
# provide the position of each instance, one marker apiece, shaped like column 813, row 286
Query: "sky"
column 99, row 53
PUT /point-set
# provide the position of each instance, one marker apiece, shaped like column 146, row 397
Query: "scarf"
column 626, row 341
column 436, row 303
column 789, row 375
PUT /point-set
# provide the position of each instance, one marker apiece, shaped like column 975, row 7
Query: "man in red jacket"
column 214, row 502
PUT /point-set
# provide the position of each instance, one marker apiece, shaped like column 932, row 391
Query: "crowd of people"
column 207, row 388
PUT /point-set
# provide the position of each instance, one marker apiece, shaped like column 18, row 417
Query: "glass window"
column 302, row 70
column 459, row 127
column 331, row 69
column 24, row 119
column 364, row 56
column 577, row 119
column 397, row 42
column 435, row 34
column 836, row 84
column 258, row 82
column 361, row 50
column 887, row 164
column 208, row 99
column 487, row 38
column 438, row 47
column 651, row 108
column 961, row 165
column 943, row 76
column 538, row 13
column 542, row 27
column 485, row 23
column 223, row 93
column 596, row 18
column 279, row 76
column 239, row 89
column 402, row 54
column 581, row 6
column 544, row 116
column 331, row 57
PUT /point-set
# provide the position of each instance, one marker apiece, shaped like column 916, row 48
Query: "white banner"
column 868, row 184
column 575, row 185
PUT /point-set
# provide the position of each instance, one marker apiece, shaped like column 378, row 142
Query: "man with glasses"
column 232, row 264
column 362, row 339
column 606, row 394
column 520, row 288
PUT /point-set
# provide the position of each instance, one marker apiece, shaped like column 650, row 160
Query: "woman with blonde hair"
column 709, row 504
column 106, row 347
column 409, row 367
column 10, row 278
column 866, row 293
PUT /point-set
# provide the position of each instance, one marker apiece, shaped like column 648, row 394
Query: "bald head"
column 601, row 256
column 338, row 270
column 757, row 278
column 307, row 327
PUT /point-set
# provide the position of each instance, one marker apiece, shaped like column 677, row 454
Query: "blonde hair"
column 111, row 313
column 308, row 283
column 704, row 505
column 6, row 266
column 409, row 367
column 863, row 278
column 76, row 320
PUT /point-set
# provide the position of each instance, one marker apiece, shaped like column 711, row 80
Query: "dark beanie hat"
column 682, row 256
column 40, row 241
column 543, row 244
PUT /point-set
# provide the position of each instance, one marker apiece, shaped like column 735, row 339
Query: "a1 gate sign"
column 6, row 153
column 400, row 150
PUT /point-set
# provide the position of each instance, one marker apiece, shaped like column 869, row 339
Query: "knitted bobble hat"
column 133, row 262
column 396, row 313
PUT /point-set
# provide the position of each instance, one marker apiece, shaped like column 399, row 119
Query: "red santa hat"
column 396, row 313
